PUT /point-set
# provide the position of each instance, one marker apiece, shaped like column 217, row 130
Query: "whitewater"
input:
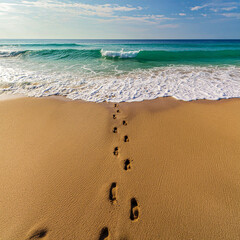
column 121, row 70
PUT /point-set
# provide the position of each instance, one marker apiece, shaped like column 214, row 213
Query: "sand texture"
column 161, row 169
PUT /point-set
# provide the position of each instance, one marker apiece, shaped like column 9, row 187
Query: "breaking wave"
column 139, row 55
column 119, row 54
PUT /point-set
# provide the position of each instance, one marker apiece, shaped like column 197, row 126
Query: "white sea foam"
column 119, row 54
column 182, row 82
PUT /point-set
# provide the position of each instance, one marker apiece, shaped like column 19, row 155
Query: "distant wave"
column 168, row 45
column 42, row 45
column 183, row 46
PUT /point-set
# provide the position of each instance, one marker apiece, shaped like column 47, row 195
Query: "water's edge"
column 121, row 70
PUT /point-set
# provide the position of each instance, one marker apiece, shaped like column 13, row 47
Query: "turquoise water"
column 93, row 68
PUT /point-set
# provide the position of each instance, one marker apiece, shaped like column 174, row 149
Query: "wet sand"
column 160, row 169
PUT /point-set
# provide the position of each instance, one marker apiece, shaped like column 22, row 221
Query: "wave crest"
column 120, row 54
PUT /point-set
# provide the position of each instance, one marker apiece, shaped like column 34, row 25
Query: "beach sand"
column 159, row 169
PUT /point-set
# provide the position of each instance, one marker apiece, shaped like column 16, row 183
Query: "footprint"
column 115, row 151
column 126, row 139
column 127, row 164
column 118, row 111
column 39, row 234
column 124, row 123
column 113, row 193
column 115, row 105
column 115, row 129
column 114, row 116
column 104, row 234
column 134, row 213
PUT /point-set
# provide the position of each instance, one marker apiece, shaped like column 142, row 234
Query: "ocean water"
column 121, row 70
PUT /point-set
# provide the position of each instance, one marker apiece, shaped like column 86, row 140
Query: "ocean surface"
column 121, row 70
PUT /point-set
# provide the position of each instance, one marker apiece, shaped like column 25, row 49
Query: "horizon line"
column 119, row 38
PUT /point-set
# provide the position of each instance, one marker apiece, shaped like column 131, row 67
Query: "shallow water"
column 121, row 70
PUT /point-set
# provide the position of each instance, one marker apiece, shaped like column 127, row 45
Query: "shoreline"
column 6, row 97
column 156, row 169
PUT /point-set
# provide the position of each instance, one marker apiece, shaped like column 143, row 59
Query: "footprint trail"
column 113, row 191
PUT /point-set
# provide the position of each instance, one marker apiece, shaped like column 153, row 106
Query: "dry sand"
column 173, row 172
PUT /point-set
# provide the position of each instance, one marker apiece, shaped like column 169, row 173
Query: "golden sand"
column 161, row 169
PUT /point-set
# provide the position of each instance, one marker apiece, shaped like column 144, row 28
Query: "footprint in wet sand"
column 104, row 234
column 115, row 105
column 115, row 129
column 126, row 139
column 124, row 123
column 113, row 193
column 127, row 164
column 115, row 151
column 38, row 234
column 118, row 111
column 134, row 213
column 114, row 116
